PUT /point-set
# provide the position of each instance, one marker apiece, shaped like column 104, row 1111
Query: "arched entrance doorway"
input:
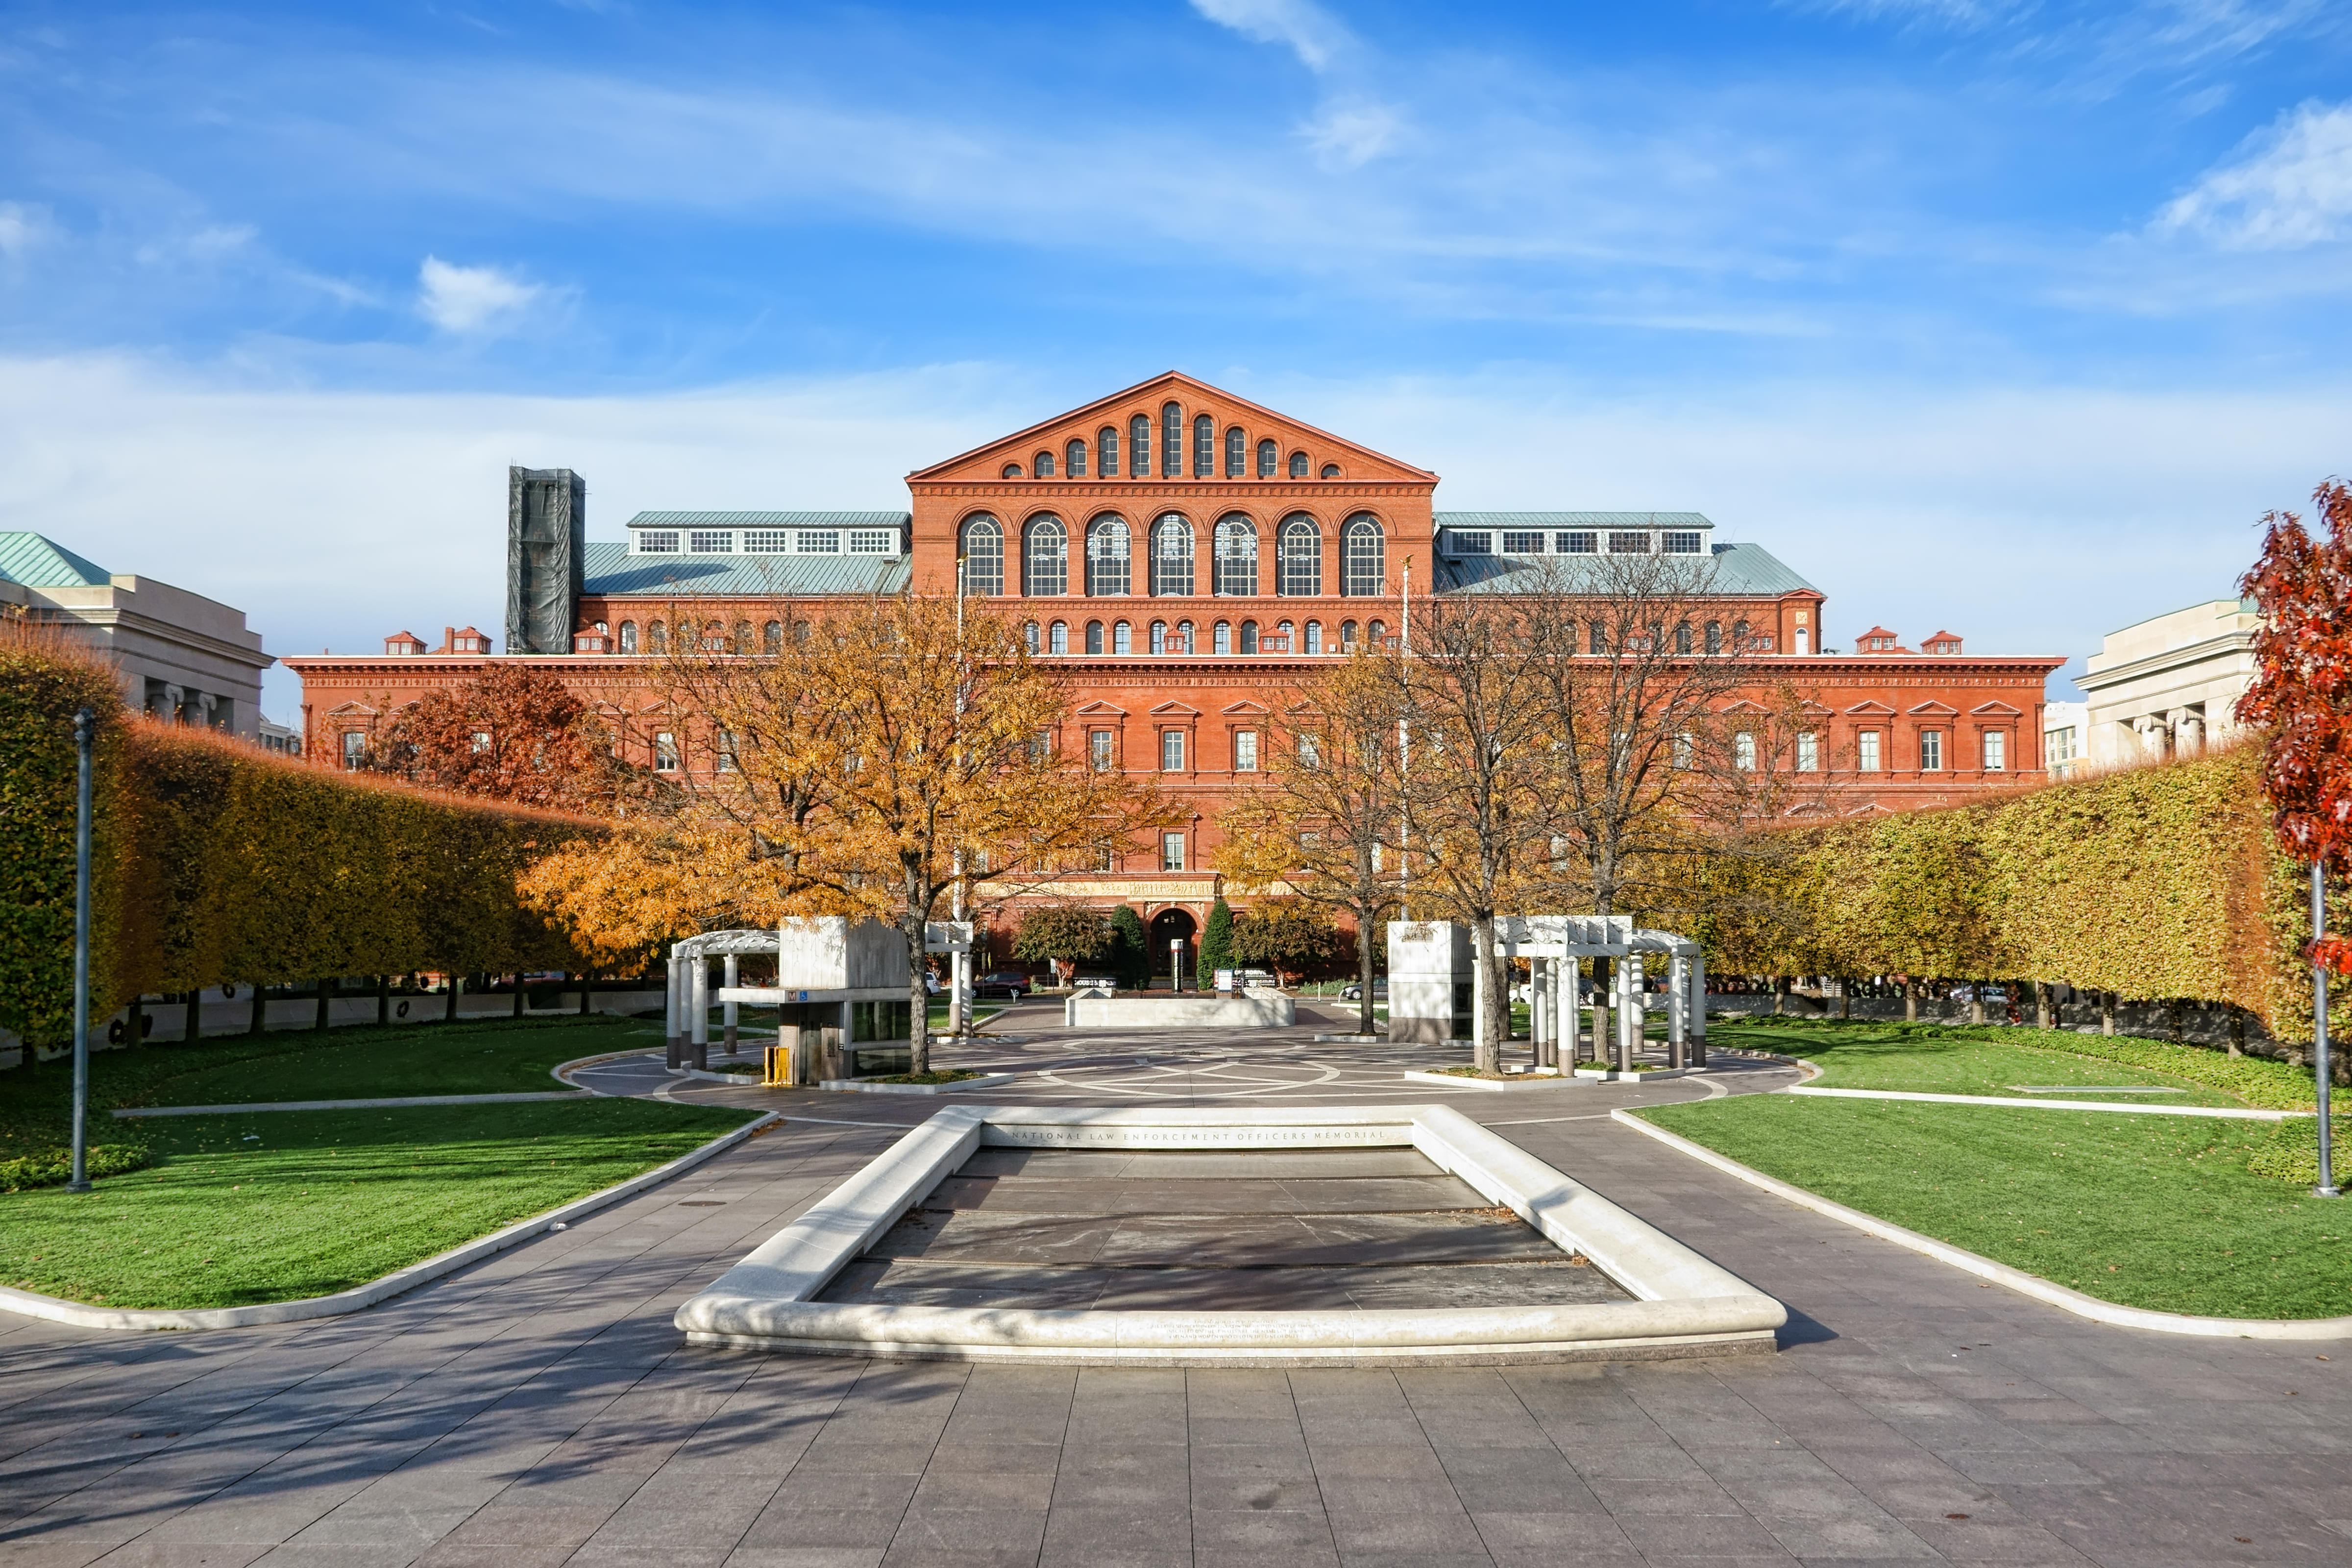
column 1167, row 926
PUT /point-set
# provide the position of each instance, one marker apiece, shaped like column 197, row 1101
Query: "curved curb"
column 2017, row 1279
column 1493, row 1085
column 2236, row 1113
column 560, row 1070
column 80, row 1315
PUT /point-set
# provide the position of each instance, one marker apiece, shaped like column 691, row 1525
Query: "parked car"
column 1354, row 991
column 1006, row 985
column 1094, row 982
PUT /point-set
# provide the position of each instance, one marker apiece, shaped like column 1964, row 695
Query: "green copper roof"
column 771, row 520
column 1737, row 570
column 610, row 570
column 1572, row 520
column 36, row 563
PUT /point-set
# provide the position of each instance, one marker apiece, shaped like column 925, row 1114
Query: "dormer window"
column 1330, row 471
column 1581, row 542
column 652, row 541
column 1629, row 544
column 1043, row 465
column 766, row 541
column 1679, row 543
column 1516, row 542
column 714, row 543
column 1478, row 543
column 812, row 541
column 1013, row 470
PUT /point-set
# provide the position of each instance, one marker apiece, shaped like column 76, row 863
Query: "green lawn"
column 274, row 1205
column 2146, row 1211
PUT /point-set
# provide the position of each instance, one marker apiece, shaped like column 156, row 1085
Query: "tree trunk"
column 2106, row 1012
column 1780, row 983
column 918, row 997
column 2237, row 1030
column 1364, row 974
column 1486, row 1031
column 383, row 1001
column 2046, row 1004
column 1603, row 1048
column 449, row 998
column 326, row 1005
column 260, row 1009
column 1910, row 1001
column 1976, row 1003
column 194, row 1030
column 1845, row 998
column 2174, row 1011
column 587, row 989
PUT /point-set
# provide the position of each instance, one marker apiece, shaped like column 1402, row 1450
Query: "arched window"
column 1042, row 466
column 1330, row 471
column 1363, row 558
column 1347, row 636
column 1172, row 442
column 1284, row 642
column 1029, row 635
column 1057, row 637
column 1160, row 636
column 1107, row 452
column 771, row 637
column 742, row 642
column 1182, row 641
column 1205, row 447
column 1046, row 559
column 714, row 637
column 1683, row 638
column 1171, row 556
column 1299, row 570
column 1109, row 550
column 1268, row 456
column 1314, row 637
column 1139, row 448
column 983, row 557
column 1094, row 636
column 799, row 631
column 1376, row 636
column 1012, row 470
column 1236, row 453
column 1249, row 636
column 1221, row 638
column 1122, row 638
column 1298, row 468
column 1236, row 549
column 1715, row 637
column 628, row 636
column 1075, row 463
column 1740, row 637
column 656, row 637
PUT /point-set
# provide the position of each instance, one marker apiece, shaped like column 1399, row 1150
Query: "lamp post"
column 85, row 726
column 2322, row 1071
column 1176, row 963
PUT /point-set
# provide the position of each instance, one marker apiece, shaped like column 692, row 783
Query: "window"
column 1347, row 636
column 1298, row 467
column 354, row 748
column 1363, row 559
column 1221, row 638
column 1236, row 557
column 1158, row 636
column 1122, row 638
column 1108, row 549
column 1376, row 635
column 665, row 752
column 1138, row 447
column 1804, row 638
column 1683, row 638
column 766, row 541
column 1330, row 471
column 1057, row 637
column 1315, row 637
column 657, row 544
column 983, row 557
column 1046, row 559
column 1205, row 447
column 1101, row 750
column 1280, row 641
column 1865, row 750
column 1743, row 751
column 827, row 542
column 1300, row 570
column 1094, row 636
column 1236, row 453
column 1996, row 750
column 771, row 637
column 1685, row 749
column 1182, row 641
column 1171, row 751
column 742, row 639
column 1740, row 642
column 1519, row 543
column 1172, row 442
column 874, row 541
column 1029, row 635
column 1629, row 544
column 1171, row 556
column 1311, row 754
column 723, row 750
column 1679, row 543
column 1597, row 638
column 716, row 542
column 1931, row 750
column 1808, row 752
column 2057, row 745
column 1472, row 543
column 1107, row 452
column 1249, row 636
column 1075, row 460
column 628, row 636
column 1171, row 852
column 656, row 637
column 1245, row 751
column 1579, row 542
column 1268, row 457
column 1042, row 466
column 1012, row 470
column 1715, row 637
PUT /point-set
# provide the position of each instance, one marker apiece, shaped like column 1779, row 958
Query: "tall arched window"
column 1283, row 640
column 1122, row 638
column 1300, row 564
column 1267, row 456
column 628, row 636
column 1172, row 442
column 1236, row 453
column 1347, row 636
column 1249, row 636
column 1715, row 637
column 1042, row 466
column 983, row 557
column 1376, row 636
column 1029, row 635
column 771, row 637
column 1160, row 636
column 1094, row 636
column 1075, row 457
column 1298, row 465
column 1182, row 641
column 1107, row 452
column 1139, row 448
column 1057, row 637
column 1314, row 637
column 1683, row 638
column 1110, row 549
column 1046, row 563
column 1221, row 640
column 1171, row 556
column 1205, row 447
column 1236, row 543
column 1363, row 558
column 741, row 640
column 656, row 637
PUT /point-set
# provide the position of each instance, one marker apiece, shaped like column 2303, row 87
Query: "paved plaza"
column 540, row 1409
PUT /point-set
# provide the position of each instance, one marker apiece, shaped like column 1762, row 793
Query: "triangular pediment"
column 350, row 711
column 1870, row 710
column 1101, row 710
column 1934, row 711
column 1245, row 707
column 1175, row 711
column 1995, row 710
column 1355, row 463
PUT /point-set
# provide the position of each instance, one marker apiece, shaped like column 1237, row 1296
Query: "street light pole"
column 2322, row 1070
column 85, row 724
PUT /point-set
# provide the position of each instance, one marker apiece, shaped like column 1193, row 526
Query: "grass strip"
column 2159, row 1212
column 277, row 1205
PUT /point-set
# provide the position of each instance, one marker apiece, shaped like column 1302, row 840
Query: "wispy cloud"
column 2288, row 187
column 22, row 228
column 1308, row 31
column 472, row 301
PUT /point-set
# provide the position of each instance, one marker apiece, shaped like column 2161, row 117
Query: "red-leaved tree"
column 2302, row 694
column 518, row 733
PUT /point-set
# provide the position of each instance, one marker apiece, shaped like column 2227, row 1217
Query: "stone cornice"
column 1296, row 494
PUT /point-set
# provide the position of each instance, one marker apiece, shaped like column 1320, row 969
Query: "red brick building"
column 1188, row 553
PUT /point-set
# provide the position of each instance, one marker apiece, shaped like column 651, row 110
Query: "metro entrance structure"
column 1434, row 986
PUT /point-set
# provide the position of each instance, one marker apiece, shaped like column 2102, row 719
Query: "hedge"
column 219, row 863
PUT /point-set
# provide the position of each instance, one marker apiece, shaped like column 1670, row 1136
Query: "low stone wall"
column 1251, row 1010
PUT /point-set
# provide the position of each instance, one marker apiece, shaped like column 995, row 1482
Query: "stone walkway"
column 540, row 1409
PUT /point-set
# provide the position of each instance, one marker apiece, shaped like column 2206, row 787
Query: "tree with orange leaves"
column 516, row 734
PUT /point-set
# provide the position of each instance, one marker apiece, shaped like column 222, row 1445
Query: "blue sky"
column 2010, row 317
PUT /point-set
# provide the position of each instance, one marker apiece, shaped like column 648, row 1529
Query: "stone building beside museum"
column 1188, row 555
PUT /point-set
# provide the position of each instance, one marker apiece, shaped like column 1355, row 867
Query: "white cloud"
column 2289, row 185
column 22, row 228
column 1305, row 28
column 1349, row 132
column 469, row 300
